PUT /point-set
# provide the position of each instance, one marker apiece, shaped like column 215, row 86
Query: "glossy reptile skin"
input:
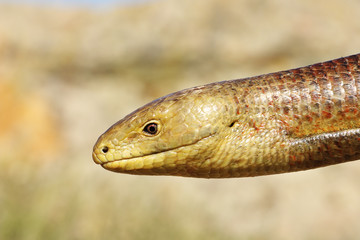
column 274, row 123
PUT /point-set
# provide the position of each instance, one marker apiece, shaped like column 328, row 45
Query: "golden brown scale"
column 281, row 122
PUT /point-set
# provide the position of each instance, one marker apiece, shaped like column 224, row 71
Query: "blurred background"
column 70, row 69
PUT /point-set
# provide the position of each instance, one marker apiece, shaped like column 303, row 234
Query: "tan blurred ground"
column 67, row 74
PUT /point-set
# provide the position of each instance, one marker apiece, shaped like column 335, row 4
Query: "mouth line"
column 103, row 164
column 135, row 157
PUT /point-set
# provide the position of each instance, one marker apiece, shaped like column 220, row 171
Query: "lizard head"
column 170, row 135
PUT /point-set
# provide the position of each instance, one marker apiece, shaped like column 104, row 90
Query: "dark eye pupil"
column 151, row 128
column 105, row 149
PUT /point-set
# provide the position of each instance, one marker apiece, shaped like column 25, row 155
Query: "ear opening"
column 232, row 124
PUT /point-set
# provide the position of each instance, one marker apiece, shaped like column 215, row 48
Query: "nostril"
column 105, row 149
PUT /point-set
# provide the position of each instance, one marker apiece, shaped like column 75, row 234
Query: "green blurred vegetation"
column 68, row 74
column 61, row 205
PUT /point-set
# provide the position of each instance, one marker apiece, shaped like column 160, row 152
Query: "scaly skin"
column 281, row 122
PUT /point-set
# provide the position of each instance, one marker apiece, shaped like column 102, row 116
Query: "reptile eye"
column 151, row 128
column 105, row 149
